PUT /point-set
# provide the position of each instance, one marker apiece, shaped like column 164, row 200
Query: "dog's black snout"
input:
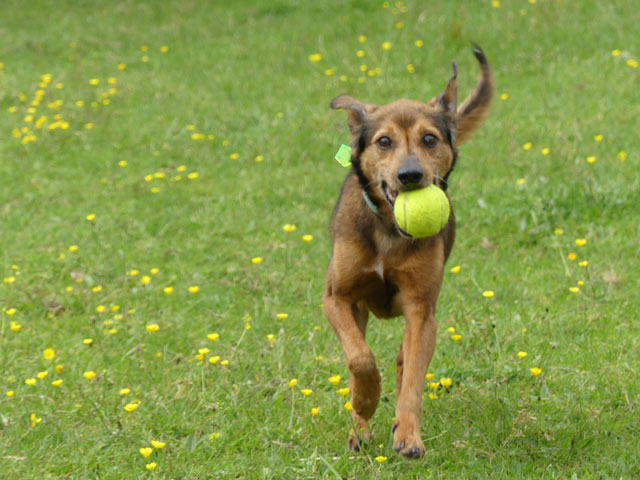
column 410, row 174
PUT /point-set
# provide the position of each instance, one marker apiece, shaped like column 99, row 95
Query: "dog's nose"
column 410, row 174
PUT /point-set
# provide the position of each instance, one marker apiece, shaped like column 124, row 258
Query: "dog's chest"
column 378, row 268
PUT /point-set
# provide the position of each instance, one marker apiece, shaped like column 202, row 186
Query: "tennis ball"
column 422, row 213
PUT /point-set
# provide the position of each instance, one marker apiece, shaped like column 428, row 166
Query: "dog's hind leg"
column 349, row 323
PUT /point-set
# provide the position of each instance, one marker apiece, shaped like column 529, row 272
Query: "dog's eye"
column 429, row 140
column 384, row 143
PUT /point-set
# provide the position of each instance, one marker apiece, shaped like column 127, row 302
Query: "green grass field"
column 194, row 131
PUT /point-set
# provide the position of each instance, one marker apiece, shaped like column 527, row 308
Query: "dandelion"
column 527, row 146
column 632, row 63
column 152, row 327
column 315, row 411
column 488, row 294
column 59, row 368
column 214, row 359
column 259, row 158
column 347, row 406
column 433, row 385
column 42, row 375
column 521, row 354
column 289, row 228
column 57, row 383
column 101, row 309
column 88, row 341
column 419, row 43
column 89, row 375
column 151, row 466
column 168, row 290
column 94, row 81
column 446, row 382
column 10, row 393
column 158, row 445
column 282, row 316
column 334, row 380
column 293, row 382
column 495, row 3
column 145, row 280
column 194, row 289
column 146, row 451
column 48, row 353
column 504, row 96
column 380, row 459
column 411, row 68
column 343, row 392
column 213, row 336
column 131, row 407
column 73, row 248
column 315, row 57
column 30, row 381
column 591, row 159
column 97, row 289
column 574, row 289
column 521, row 181
column 224, row 363
column 329, row 71
column 598, row 138
column 622, row 155
column 429, row 376
column 615, row 52
column 432, row 396
column 234, row 156
column 545, row 151
column 583, row 264
column 386, row 45
column 456, row 337
column 535, row 371
column 581, row 242
column 572, row 256
column 362, row 38
column 271, row 337
column 580, row 282
column 451, row 330
column 360, row 53
column 307, row 238
column 256, row 260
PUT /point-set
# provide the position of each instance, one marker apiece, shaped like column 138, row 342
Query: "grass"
column 240, row 72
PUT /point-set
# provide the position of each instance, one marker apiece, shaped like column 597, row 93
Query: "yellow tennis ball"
column 422, row 213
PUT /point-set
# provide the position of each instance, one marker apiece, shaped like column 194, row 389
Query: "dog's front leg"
column 416, row 350
column 349, row 322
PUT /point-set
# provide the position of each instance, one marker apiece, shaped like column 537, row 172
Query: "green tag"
column 344, row 155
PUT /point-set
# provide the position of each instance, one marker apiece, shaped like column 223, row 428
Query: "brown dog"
column 375, row 266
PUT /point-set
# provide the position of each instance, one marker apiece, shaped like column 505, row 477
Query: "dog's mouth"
column 389, row 194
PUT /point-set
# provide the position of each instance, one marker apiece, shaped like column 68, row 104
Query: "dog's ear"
column 358, row 112
column 447, row 101
column 473, row 112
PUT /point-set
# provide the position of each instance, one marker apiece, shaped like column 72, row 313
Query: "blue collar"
column 372, row 205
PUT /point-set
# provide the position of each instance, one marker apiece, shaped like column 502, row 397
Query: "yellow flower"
column 504, row 96
column 411, row 68
column 446, row 382
column 59, row 368
column 10, row 311
column 194, row 289
column 399, row 25
column 433, row 396
column 307, row 238
column 88, row 126
column 580, row 282
column 214, row 359
column 94, row 81
column 527, row 146
column 97, row 289
column 234, row 156
column 164, row 49
column 193, row 175
column 343, row 392
column 203, row 351
column 347, row 406
column 558, row 231
column 282, row 316
column 57, row 383
column 34, row 420
column 315, row 57
column 89, row 374
column 315, row 411
column 488, row 294
column 48, row 353
column 224, row 362
column 150, row 466
column 581, row 242
column 535, row 371
column 101, row 308
column 572, row 256
column 87, row 341
column 334, row 380
column 545, row 151
column 380, row 459
column 130, row 407
column 213, row 336
column 433, row 385
column 125, row 391
column 583, row 264
column 386, row 45
column 73, row 248
column 152, row 327
column 329, row 71
column 591, row 159
column 360, row 53
column 495, row 3
column 256, row 260
column 158, row 445
column 42, row 375
column 521, row 354
column 632, row 63
column 615, row 52
column 456, row 337
column 622, row 155
column 214, row 435
column 259, row 158
column 30, row 381
column 574, row 289
column 145, row 280
column 429, row 376
column 598, row 138
column 146, row 451
column 271, row 337
column 10, row 393
column 451, row 330
column 293, row 382
column 144, row 58
column 289, row 228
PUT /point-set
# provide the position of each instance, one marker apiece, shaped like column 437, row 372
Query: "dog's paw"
column 407, row 441
column 359, row 435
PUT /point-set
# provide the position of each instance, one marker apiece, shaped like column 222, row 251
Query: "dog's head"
column 409, row 144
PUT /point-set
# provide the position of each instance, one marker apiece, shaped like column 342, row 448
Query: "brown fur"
column 377, row 268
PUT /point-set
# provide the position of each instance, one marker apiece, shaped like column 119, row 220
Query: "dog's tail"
column 473, row 112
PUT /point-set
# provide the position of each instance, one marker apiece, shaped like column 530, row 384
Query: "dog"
column 377, row 267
